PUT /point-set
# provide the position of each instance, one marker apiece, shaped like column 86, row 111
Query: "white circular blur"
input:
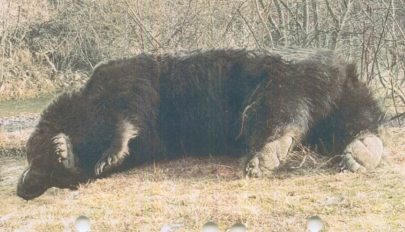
column 82, row 224
column 238, row 228
column 315, row 224
column 210, row 227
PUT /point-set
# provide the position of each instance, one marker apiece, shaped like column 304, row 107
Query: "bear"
column 256, row 103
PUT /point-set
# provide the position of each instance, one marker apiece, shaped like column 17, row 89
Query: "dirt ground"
column 188, row 192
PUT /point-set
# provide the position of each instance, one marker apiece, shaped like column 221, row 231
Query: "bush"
column 73, row 36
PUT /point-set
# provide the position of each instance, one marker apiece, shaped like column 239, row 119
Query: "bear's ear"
column 62, row 146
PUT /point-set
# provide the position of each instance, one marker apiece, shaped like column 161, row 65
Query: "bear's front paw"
column 61, row 146
column 363, row 154
column 106, row 163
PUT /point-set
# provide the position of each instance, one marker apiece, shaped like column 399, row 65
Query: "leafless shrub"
column 75, row 35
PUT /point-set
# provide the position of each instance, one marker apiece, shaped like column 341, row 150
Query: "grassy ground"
column 191, row 191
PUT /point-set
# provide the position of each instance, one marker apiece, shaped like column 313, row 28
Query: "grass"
column 191, row 191
column 25, row 106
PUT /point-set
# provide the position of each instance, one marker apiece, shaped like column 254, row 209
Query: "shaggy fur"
column 252, row 102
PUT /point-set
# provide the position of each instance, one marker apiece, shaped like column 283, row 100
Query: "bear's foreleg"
column 119, row 148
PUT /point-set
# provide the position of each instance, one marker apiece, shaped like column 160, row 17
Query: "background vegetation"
column 49, row 45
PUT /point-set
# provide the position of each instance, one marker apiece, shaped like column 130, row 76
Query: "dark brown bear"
column 252, row 102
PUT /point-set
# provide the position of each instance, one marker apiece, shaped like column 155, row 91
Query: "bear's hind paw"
column 363, row 154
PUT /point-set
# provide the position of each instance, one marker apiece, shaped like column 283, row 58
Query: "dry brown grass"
column 26, row 79
column 192, row 191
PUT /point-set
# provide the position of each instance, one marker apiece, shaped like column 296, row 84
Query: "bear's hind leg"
column 270, row 156
column 361, row 117
column 272, row 132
